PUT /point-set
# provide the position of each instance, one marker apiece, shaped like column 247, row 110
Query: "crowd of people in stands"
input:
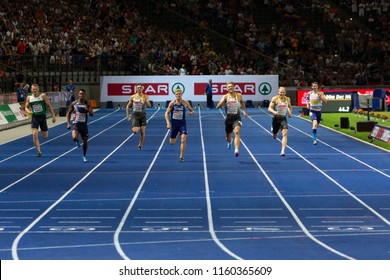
column 244, row 37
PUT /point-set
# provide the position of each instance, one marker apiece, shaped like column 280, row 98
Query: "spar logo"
column 180, row 86
column 265, row 88
column 130, row 88
column 244, row 88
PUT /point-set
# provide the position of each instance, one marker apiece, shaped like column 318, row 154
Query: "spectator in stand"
column 70, row 89
column 21, row 46
column 21, row 91
column 209, row 94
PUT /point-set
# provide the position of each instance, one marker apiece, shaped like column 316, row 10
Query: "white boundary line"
column 132, row 202
column 333, row 180
column 15, row 243
column 54, row 159
column 287, row 205
column 208, row 199
column 50, row 140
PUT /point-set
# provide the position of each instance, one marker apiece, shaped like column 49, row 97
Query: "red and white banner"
column 337, row 94
column 161, row 88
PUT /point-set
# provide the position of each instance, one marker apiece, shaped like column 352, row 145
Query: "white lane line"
column 17, row 210
column 344, row 153
column 171, row 209
column 208, row 198
column 54, row 159
column 331, row 209
column 386, row 221
column 286, row 204
column 86, row 209
column 166, row 222
column 51, row 139
column 250, row 209
column 88, row 217
column 117, row 243
column 15, row 243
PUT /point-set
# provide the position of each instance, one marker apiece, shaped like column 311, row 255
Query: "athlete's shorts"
column 279, row 124
column 230, row 124
column 39, row 121
column 138, row 121
column 175, row 129
column 315, row 115
column 82, row 128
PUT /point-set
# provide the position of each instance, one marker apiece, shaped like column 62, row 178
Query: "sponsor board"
column 161, row 88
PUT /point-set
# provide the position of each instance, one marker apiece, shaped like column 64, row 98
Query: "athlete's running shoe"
column 181, row 159
column 282, row 154
column 315, row 142
column 236, row 153
column 139, row 148
column 39, row 154
column 229, row 145
column 85, row 159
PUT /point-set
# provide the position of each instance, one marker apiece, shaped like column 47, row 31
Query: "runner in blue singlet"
column 175, row 117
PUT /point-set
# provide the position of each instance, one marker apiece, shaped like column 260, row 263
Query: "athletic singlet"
column 80, row 113
column 232, row 106
column 281, row 107
column 139, row 104
column 38, row 105
column 178, row 113
column 314, row 100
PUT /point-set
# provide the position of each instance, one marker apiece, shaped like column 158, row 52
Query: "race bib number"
column 37, row 108
column 177, row 115
column 137, row 107
column 282, row 110
column 232, row 108
column 80, row 118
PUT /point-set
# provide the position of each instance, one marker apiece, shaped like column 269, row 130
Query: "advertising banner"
column 7, row 116
column 18, row 111
column 381, row 133
column 161, row 88
column 339, row 100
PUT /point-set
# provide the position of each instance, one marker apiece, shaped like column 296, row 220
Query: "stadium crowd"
column 347, row 46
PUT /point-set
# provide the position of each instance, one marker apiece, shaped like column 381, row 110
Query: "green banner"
column 6, row 111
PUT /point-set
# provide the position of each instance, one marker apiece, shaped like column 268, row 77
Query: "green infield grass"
column 332, row 120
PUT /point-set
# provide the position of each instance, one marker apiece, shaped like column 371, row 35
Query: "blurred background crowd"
column 337, row 43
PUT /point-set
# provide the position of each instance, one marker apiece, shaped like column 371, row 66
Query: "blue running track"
column 325, row 202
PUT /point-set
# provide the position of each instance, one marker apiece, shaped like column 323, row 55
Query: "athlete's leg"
column 284, row 140
column 237, row 140
column 36, row 140
column 135, row 129
column 141, row 137
column 85, row 145
column 183, row 145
